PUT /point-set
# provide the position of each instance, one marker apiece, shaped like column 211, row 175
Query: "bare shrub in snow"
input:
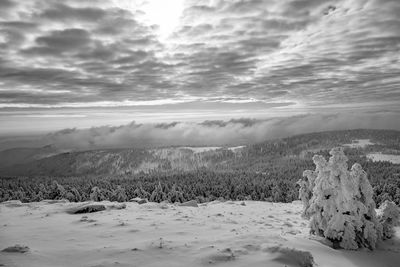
column 339, row 203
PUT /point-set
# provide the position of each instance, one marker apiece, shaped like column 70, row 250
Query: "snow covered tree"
column 119, row 194
column 57, row 191
column 389, row 216
column 175, row 194
column 305, row 192
column 96, row 194
column 140, row 192
column 76, row 194
column 339, row 203
column 158, row 194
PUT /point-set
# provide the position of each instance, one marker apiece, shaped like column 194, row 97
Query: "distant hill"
column 47, row 161
column 13, row 156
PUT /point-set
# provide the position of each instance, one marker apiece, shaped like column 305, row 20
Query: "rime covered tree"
column 339, row 203
column 158, row 194
column 175, row 194
column 119, row 194
column 389, row 218
column 140, row 192
column 57, row 191
column 96, row 194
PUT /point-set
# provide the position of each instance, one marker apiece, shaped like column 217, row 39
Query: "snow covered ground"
column 201, row 149
column 384, row 157
column 236, row 148
column 359, row 143
column 213, row 234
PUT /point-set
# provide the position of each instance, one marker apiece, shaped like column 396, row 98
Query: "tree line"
column 276, row 183
column 266, row 171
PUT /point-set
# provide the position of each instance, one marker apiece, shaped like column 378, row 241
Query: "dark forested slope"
column 264, row 171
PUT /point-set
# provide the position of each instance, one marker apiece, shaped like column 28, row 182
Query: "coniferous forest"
column 267, row 172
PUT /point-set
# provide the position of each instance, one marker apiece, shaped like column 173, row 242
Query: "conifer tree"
column 96, row 194
column 340, row 206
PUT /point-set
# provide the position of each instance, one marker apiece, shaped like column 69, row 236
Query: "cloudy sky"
column 85, row 63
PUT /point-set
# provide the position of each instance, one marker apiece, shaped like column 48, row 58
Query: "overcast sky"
column 82, row 63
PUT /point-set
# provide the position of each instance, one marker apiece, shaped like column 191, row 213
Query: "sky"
column 77, row 64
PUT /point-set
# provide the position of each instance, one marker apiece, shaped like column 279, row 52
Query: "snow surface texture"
column 160, row 234
column 340, row 206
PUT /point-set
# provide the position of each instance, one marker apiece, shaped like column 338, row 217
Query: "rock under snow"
column 16, row 249
column 139, row 200
column 87, row 208
column 191, row 203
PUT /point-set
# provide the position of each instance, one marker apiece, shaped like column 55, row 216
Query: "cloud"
column 218, row 132
column 65, row 40
column 68, row 13
column 95, row 51
column 6, row 4
column 310, row 52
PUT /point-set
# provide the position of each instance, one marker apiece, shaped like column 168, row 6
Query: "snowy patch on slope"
column 384, row 157
column 211, row 148
column 359, row 143
column 236, row 148
column 196, row 149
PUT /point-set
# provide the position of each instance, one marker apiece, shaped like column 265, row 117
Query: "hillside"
column 14, row 156
column 264, row 171
column 135, row 160
column 120, row 162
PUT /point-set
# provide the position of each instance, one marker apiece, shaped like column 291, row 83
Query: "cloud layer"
column 80, row 53
column 213, row 132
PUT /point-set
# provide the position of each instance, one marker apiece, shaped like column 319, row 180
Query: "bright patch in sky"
column 163, row 13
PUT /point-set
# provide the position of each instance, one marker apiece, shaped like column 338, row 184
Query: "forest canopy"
column 266, row 171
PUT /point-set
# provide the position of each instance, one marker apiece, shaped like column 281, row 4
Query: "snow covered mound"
column 340, row 206
column 162, row 234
